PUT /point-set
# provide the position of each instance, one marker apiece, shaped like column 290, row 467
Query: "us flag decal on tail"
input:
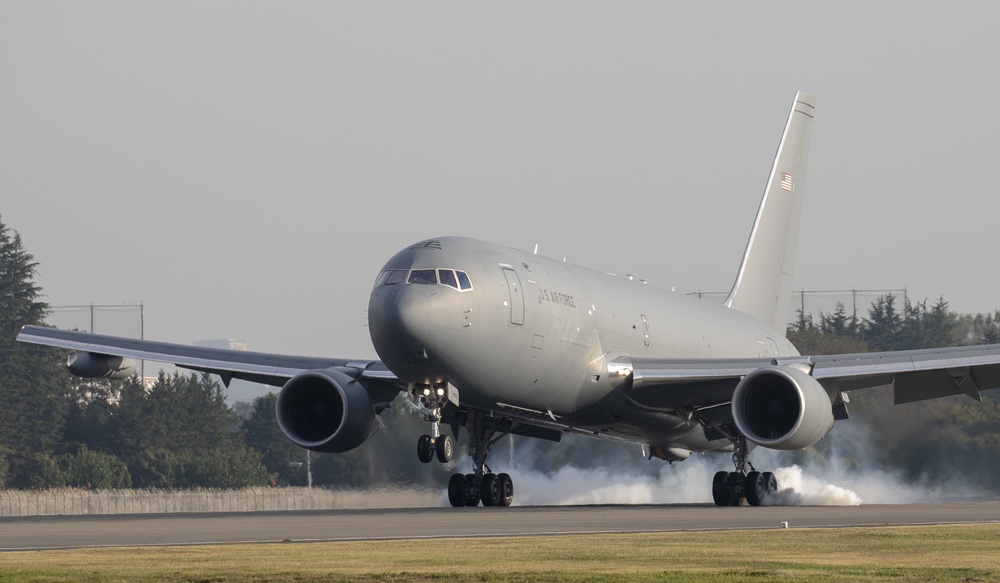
column 786, row 181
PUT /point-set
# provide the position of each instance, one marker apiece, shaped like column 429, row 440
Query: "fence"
column 75, row 501
column 856, row 302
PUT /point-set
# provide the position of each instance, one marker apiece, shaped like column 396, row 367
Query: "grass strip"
column 965, row 553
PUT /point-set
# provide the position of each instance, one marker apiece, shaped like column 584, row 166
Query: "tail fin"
column 764, row 283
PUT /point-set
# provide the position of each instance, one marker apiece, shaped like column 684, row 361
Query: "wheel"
column 425, row 449
column 489, row 492
column 472, row 489
column 445, row 448
column 770, row 483
column 506, row 490
column 736, row 480
column 456, row 490
column 722, row 489
column 754, row 488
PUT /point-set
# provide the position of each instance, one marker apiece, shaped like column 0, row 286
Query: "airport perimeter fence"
column 78, row 501
column 823, row 302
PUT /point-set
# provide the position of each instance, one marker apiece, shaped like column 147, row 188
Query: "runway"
column 62, row 532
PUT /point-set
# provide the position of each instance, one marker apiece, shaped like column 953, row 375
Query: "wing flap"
column 916, row 375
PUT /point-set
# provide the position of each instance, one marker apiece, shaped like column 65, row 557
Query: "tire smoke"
column 845, row 473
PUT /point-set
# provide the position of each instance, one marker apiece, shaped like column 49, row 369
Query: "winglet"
column 764, row 282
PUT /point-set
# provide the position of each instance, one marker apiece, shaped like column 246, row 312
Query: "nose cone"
column 399, row 319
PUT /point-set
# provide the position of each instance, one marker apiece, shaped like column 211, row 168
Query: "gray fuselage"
column 535, row 336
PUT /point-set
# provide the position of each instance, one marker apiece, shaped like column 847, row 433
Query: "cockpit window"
column 396, row 276
column 447, row 277
column 450, row 277
column 423, row 276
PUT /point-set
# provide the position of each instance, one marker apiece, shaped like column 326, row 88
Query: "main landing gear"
column 484, row 430
column 481, row 485
column 730, row 488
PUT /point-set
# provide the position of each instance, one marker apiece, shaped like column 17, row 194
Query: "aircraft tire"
column 754, row 488
column 472, row 489
column 770, row 483
column 445, row 448
column 490, row 490
column 506, row 490
column 722, row 489
column 456, row 490
column 737, row 481
column 425, row 449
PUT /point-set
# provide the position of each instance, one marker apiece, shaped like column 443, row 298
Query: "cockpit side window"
column 381, row 278
column 396, row 276
column 423, row 276
column 447, row 277
column 463, row 281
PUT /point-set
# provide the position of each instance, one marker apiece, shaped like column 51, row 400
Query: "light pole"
column 309, row 471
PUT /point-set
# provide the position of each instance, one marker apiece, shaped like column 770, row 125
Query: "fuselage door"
column 515, row 297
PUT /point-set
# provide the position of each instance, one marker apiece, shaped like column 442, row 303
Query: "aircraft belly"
column 655, row 429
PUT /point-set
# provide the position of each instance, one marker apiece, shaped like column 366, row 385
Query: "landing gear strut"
column 484, row 430
column 432, row 398
column 730, row 488
column 482, row 485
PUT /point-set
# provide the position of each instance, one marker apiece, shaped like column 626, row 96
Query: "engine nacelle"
column 781, row 407
column 91, row 365
column 326, row 410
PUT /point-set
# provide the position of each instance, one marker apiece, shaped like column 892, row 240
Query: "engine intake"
column 326, row 410
column 781, row 407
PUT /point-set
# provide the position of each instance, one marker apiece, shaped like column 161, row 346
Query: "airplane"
column 499, row 341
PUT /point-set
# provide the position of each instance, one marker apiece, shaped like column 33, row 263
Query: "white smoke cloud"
column 846, row 475
column 571, row 486
column 797, row 489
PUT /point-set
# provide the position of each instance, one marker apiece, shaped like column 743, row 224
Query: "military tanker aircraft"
column 498, row 341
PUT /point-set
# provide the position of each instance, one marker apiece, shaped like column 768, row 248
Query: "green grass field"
column 963, row 553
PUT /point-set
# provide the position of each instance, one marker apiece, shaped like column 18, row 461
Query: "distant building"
column 238, row 390
column 227, row 343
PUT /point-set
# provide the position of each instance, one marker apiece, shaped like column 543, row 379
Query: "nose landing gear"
column 429, row 446
column 432, row 398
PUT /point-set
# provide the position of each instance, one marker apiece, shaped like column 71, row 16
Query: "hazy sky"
column 245, row 168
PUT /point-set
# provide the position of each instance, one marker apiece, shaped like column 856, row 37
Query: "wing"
column 259, row 367
column 915, row 375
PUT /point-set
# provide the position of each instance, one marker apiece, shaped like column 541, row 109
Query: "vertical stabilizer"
column 764, row 283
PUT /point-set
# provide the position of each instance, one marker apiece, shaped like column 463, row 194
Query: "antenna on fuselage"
column 536, row 248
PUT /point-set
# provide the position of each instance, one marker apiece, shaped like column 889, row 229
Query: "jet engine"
column 781, row 407
column 91, row 365
column 326, row 410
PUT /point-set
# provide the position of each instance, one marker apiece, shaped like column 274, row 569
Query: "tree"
column 883, row 324
column 276, row 451
column 94, row 469
column 32, row 384
column 939, row 326
column 182, row 434
column 838, row 323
